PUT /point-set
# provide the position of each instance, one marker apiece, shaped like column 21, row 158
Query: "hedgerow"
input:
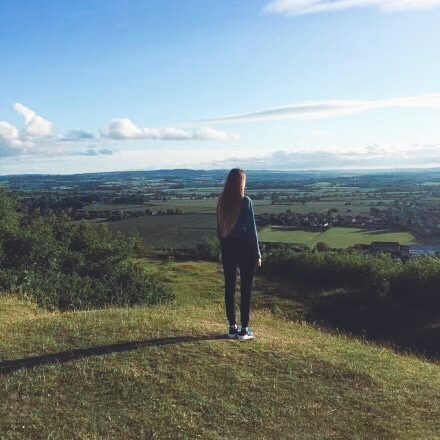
column 417, row 281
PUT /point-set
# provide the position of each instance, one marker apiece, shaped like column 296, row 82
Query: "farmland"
column 186, row 205
column 185, row 231
column 335, row 237
column 198, row 222
column 175, row 232
column 142, row 202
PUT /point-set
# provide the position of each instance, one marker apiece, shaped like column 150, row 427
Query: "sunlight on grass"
column 293, row 381
column 335, row 237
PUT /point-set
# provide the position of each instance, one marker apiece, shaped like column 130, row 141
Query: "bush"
column 321, row 246
column 129, row 287
column 326, row 267
column 209, row 250
column 415, row 282
column 65, row 269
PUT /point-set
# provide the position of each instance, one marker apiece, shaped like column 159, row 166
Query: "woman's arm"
column 251, row 232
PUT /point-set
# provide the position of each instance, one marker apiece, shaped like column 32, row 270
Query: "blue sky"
column 261, row 84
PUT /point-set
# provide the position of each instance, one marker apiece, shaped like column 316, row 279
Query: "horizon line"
column 311, row 170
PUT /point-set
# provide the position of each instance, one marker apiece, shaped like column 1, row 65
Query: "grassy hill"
column 167, row 372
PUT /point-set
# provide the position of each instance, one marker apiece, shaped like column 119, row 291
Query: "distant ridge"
column 185, row 172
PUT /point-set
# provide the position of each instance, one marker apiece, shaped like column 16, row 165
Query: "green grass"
column 170, row 231
column 335, row 237
column 293, row 381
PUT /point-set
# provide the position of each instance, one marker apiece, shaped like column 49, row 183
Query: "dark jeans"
column 237, row 252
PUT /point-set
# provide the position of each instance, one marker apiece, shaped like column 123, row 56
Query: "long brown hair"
column 230, row 201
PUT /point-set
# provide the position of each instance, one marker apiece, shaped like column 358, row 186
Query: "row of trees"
column 65, row 268
column 121, row 214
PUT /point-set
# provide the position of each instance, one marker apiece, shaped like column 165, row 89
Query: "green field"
column 357, row 207
column 185, row 231
column 361, row 200
column 186, row 205
column 170, row 231
column 335, row 237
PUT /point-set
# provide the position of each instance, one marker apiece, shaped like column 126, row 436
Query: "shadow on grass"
column 81, row 353
column 404, row 327
column 356, row 312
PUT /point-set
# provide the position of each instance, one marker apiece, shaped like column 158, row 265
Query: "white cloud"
column 329, row 109
column 209, row 134
column 36, row 126
column 37, row 137
column 15, row 142
column 11, row 143
column 300, row 7
column 375, row 156
column 150, row 133
column 173, row 134
column 125, row 129
column 8, row 132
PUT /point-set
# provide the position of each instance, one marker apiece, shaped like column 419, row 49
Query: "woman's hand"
column 259, row 262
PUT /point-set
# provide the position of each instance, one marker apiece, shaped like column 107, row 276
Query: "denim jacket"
column 245, row 228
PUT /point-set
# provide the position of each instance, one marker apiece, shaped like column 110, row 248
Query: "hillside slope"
column 293, row 381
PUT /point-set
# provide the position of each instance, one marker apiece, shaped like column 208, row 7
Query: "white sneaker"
column 245, row 333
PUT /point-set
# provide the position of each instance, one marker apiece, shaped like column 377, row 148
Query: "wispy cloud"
column 124, row 128
column 105, row 151
column 77, row 135
column 301, row 7
column 328, row 109
column 369, row 157
column 92, row 152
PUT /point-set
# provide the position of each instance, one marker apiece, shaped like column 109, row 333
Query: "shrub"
column 321, row 246
column 415, row 282
column 327, row 267
column 127, row 287
column 65, row 269
column 209, row 249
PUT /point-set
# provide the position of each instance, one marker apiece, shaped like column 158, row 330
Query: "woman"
column 239, row 245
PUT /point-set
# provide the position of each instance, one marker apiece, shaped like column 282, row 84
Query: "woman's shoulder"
column 247, row 201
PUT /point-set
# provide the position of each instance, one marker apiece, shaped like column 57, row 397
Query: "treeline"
column 121, row 214
column 416, row 281
column 45, row 204
column 70, row 269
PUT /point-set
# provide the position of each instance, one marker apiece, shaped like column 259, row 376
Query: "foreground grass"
column 293, row 381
